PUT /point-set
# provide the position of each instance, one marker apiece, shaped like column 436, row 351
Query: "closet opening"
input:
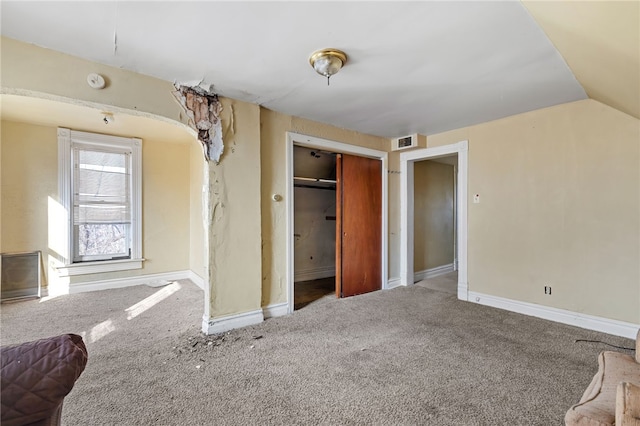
column 341, row 236
column 314, row 187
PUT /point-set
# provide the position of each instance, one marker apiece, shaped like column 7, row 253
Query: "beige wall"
column 433, row 221
column 394, row 215
column 560, row 206
column 166, row 165
column 1, row 190
column 165, row 206
column 30, row 193
column 245, row 242
column 31, row 70
column 165, row 212
column 29, row 180
column 234, row 244
column 559, row 189
column 196, row 220
column 274, row 128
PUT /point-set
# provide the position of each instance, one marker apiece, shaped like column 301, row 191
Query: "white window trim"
column 66, row 138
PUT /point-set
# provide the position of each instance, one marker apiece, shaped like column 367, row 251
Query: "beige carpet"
column 406, row 356
column 447, row 283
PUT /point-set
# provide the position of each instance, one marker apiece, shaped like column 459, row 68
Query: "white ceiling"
column 422, row 67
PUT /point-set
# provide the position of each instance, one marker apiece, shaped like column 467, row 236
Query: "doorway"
column 434, row 194
column 320, row 145
column 407, row 209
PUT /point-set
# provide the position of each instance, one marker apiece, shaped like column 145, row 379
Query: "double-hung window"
column 100, row 188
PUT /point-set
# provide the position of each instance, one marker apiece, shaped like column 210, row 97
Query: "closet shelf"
column 308, row 179
column 314, row 183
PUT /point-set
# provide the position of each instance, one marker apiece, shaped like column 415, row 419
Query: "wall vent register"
column 405, row 142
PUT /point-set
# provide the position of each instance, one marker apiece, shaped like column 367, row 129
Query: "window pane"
column 103, row 240
column 102, row 176
column 102, row 204
column 101, row 213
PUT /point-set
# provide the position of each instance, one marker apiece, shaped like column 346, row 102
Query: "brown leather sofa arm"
column 36, row 376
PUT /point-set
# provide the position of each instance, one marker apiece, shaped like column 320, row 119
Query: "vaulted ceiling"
column 600, row 41
column 422, row 67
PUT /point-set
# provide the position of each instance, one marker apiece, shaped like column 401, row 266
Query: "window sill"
column 99, row 267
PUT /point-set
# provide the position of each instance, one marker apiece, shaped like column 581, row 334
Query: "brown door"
column 358, row 225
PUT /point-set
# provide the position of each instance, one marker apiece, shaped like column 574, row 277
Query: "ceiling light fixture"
column 327, row 62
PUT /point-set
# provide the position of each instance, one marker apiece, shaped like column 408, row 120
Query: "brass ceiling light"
column 327, row 62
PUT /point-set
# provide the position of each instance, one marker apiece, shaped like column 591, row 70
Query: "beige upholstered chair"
column 613, row 396
column 628, row 404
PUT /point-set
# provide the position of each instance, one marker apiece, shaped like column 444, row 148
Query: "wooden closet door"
column 358, row 225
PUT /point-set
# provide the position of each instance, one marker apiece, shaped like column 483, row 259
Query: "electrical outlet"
column 547, row 289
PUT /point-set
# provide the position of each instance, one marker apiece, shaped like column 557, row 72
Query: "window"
column 100, row 189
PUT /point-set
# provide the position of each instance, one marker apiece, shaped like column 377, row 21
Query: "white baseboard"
column 275, row 310
column 229, row 322
column 423, row 275
column 196, row 279
column 433, row 272
column 463, row 291
column 315, row 273
column 589, row 322
column 393, row 283
column 61, row 289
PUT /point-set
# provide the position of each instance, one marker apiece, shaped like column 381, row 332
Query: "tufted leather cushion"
column 36, row 376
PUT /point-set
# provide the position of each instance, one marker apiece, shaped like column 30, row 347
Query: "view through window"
column 102, row 205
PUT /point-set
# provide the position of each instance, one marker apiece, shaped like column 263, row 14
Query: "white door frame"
column 341, row 148
column 407, row 160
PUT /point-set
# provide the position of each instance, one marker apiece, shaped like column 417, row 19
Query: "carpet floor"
column 407, row 356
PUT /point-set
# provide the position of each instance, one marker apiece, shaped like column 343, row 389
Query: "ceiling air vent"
column 405, row 142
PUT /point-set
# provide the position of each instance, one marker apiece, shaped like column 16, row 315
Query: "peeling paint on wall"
column 203, row 109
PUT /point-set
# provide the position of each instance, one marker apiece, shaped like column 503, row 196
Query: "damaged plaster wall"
column 236, row 263
column 273, row 159
column 233, row 214
column 203, row 109
column 229, row 203
column 250, row 170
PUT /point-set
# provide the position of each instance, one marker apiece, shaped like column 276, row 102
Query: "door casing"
column 338, row 147
column 407, row 160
